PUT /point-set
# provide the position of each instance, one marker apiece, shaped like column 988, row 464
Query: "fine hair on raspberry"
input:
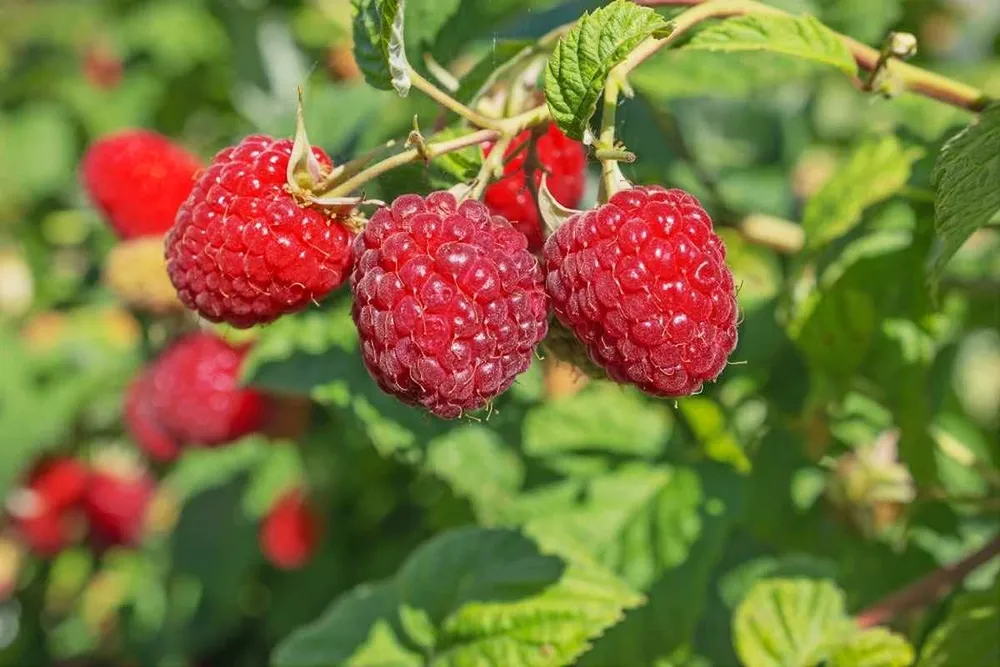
column 642, row 283
column 448, row 302
column 243, row 250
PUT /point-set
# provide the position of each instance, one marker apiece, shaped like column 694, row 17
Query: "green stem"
column 409, row 155
column 606, row 139
column 493, row 163
column 914, row 79
column 450, row 103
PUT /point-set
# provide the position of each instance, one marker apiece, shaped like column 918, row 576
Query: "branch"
column 928, row 590
column 914, row 78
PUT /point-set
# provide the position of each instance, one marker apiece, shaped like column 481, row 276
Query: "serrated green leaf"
column 966, row 177
column 876, row 647
column 875, row 170
column 579, row 66
column 602, row 417
column 378, row 44
column 482, row 597
column 968, row 635
column 801, row 37
column 790, row 623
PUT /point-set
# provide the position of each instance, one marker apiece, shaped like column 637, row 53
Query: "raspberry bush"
column 525, row 333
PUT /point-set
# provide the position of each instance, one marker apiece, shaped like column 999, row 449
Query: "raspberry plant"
column 520, row 332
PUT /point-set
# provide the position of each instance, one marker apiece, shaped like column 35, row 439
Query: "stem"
column 450, row 103
column 774, row 233
column 928, row 590
column 409, row 155
column 914, row 79
column 493, row 162
column 606, row 139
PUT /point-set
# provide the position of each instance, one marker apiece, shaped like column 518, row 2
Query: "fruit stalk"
column 913, row 78
column 928, row 590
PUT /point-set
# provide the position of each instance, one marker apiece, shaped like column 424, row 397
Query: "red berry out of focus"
column 138, row 179
column 290, row 532
column 565, row 162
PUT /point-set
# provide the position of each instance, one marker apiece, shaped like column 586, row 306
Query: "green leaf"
column 579, row 66
column 790, row 623
column 462, row 165
column 711, row 428
column 966, row 177
column 875, row 170
column 801, row 37
column 679, row 73
column 968, row 635
column 836, row 331
column 470, row 596
column 602, row 417
column 378, row 44
column 876, row 647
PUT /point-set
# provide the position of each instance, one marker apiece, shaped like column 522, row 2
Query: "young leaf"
column 790, row 622
column 583, row 58
column 378, row 44
column 876, row 647
column 967, row 185
column 801, row 37
column 876, row 169
column 470, row 596
column 968, row 635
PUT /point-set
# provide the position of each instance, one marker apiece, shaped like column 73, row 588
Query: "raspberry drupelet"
column 243, row 250
column 448, row 302
column 642, row 283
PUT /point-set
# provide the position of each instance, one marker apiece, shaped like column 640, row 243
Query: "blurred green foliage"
column 852, row 446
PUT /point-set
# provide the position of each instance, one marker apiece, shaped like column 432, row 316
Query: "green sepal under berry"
column 582, row 60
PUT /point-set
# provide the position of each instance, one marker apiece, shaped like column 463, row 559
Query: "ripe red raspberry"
column 290, row 532
column 448, row 301
column 118, row 495
column 642, row 283
column 191, row 396
column 44, row 512
column 563, row 159
column 138, row 180
column 143, row 425
column 243, row 251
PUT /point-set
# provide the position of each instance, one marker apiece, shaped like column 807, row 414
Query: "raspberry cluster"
column 243, row 250
column 63, row 500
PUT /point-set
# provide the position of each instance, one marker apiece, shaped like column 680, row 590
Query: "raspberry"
column 243, row 251
column 142, row 423
column 118, row 495
column 60, row 481
column 563, row 159
column 191, row 395
column 448, row 302
column 138, row 179
column 136, row 272
column 290, row 532
column 642, row 283
column 44, row 512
